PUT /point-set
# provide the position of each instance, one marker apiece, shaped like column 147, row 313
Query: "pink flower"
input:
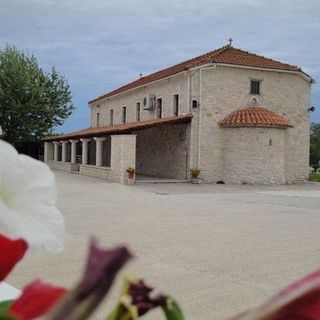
column 36, row 300
column 11, row 252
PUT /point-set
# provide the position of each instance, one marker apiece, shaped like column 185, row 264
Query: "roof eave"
column 299, row 72
column 110, row 95
column 256, row 126
column 116, row 129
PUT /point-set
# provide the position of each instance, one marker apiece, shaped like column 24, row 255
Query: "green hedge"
column 314, row 176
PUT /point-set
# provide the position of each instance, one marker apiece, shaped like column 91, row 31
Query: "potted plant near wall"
column 130, row 171
column 195, row 172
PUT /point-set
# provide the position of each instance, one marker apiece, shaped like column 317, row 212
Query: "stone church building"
column 239, row 117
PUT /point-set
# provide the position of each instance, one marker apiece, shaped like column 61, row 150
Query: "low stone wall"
column 63, row 166
column 123, row 155
column 99, row 172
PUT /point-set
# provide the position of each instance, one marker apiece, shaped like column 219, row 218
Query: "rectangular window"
column 255, row 87
column 176, row 105
column 111, row 117
column 138, row 111
column 159, row 108
column 124, row 114
column 98, row 119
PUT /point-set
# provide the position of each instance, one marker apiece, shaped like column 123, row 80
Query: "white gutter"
column 189, row 91
column 200, row 114
column 190, row 82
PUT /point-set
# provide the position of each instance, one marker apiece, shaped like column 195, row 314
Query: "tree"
column 314, row 143
column 32, row 102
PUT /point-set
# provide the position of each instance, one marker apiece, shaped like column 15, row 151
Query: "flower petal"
column 7, row 151
column 136, row 300
column 102, row 267
column 140, row 295
column 11, row 252
column 43, row 229
column 300, row 300
column 36, row 300
column 28, row 201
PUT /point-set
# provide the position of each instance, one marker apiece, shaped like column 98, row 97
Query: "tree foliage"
column 314, row 143
column 32, row 102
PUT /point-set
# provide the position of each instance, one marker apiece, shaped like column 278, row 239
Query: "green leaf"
column 172, row 310
column 32, row 101
column 4, row 306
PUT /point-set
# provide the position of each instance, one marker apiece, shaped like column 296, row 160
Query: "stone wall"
column 123, row 154
column 218, row 90
column 92, row 152
column 99, row 172
column 106, row 152
column 226, row 89
column 163, row 151
column 254, row 155
column 63, row 166
column 164, row 89
column 118, row 151
column 48, row 151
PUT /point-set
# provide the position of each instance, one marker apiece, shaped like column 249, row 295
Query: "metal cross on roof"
column 230, row 41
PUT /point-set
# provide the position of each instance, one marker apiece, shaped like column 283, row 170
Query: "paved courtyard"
column 218, row 249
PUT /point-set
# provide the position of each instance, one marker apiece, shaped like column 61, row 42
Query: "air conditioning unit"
column 149, row 102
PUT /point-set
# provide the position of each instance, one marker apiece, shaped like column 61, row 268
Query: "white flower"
column 27, row 201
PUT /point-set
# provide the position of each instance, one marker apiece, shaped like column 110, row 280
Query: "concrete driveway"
column 218, row 249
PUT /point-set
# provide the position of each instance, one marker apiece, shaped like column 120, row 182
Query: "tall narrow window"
column 111, row 117
column 176, row 105
column 159, row 108
column 138, row 111
column 255, row 86
column 124, row 114
column 98, row 119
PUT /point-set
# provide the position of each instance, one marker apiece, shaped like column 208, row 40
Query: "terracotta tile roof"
column 226, row 54
column 120, row 128
column 254, row 117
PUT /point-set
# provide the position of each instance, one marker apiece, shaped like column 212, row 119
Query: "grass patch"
column 314, row 177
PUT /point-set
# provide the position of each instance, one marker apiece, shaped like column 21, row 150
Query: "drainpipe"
column 200, row 113
column 189, row 91
column 191, row 73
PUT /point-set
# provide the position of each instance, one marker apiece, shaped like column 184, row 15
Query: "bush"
column 315, row 176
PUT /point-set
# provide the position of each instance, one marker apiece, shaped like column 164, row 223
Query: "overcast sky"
column 101, row 44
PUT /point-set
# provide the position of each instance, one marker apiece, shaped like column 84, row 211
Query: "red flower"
column 11, row 252
column 36, row 300
column 299, row 301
